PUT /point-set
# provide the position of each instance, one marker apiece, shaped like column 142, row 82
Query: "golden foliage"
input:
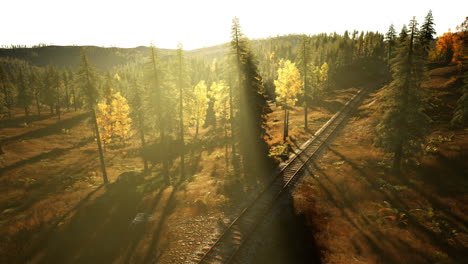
column 289, row 83
column 198, row 104
column 113, row 119
column 219, row 91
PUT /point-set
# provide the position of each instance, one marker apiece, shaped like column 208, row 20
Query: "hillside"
column 361, row 212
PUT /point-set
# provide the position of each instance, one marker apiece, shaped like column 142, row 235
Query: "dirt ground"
column 361, row 212
column 55, row 209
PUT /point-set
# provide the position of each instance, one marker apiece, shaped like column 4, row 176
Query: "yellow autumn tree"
column 113, row 119
column 219, row 92
column 288, row 88
column 324, row 75
column 198, row 105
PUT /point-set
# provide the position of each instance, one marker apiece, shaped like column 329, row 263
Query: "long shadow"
column 99, row 231
column 47, row 155
column 138, row 235
column 387, row 258
column 50, row 129
column 435, row 238
column 47, row 232
column 19, row 121
column 330, row 106
column 168, row 208
column 193, row 167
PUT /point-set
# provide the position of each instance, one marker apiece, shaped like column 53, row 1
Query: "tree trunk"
column 306, row 127
column 397, row 158
column 181, row 116
column 37, row 104
column 226, row 148
column 196, row 129
column 306, row 103
column 58, row 111
column 74, row 98
column 51, row 106
column 143, row 146
column 58, row 102
column 285, row 125
column 101, row 154
column 67, row 97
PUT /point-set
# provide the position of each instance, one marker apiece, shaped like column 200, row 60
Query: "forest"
column 138, row 155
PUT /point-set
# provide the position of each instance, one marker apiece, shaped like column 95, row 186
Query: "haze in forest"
column 203, row 23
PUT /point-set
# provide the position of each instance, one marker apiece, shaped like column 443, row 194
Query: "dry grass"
column 362, row 213
column 54, row 208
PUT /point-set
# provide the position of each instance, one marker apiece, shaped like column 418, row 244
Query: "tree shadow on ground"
column 17, row 122
column 54, row 153
column 50, row 129
column 382, row 244
column 99, row 230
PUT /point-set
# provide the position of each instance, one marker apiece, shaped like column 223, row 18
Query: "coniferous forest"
column 148, row 155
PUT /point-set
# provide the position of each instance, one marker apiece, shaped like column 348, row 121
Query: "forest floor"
column 361, row 212
column 55, row 209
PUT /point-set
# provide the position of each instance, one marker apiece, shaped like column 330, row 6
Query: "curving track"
column 228, row 244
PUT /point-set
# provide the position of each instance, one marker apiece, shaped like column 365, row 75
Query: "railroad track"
column 225, row 247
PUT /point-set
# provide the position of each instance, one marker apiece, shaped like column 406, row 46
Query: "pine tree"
column 390, row 39
column 180, row 66
column 71, row 77
column 156, row 97
column 138, row 114
column 304, row 61
column 404, row 125
column 426, row 34
column 24, row 92
column 66, row 86
column 48, row 88
column 288, row 87
column 88, row 81
column 7, row 91
column 34, row 82
column 60, row 86
column 219, row 92
column 252, row 108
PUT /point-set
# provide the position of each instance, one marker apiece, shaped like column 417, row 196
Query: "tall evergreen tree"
column 304, row 61
column 7, row 91
column 390, row 39
column 66, row 84
column 24, row 92
column 156, row 97
column 427, row 33
column 73, row 94
column 404, row 125
column 48, row 93
column 251, row 119
column 137, row 103
column 35, row 84
column 88, row 81
column 180, row 66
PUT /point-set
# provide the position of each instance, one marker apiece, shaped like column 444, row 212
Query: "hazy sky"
column 199, row 23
